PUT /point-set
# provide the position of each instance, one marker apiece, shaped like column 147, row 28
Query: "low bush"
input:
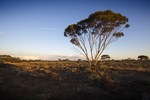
column 99, row 75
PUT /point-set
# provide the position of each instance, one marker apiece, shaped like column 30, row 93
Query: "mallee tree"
column 105, row 57
column 93, row 34
column 143, row 57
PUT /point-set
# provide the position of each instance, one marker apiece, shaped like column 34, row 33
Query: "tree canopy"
column 93, row 34
column 143, row 57
column 105, row 57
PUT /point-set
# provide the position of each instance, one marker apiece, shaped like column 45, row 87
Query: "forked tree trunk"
column 94, row 33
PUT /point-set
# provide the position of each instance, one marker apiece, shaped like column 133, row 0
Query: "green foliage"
column 97, row 69
column 93, row 34
column 143, row 57
column 104, row 20
column 101, row 79
column 105, row 57
column 99, row 75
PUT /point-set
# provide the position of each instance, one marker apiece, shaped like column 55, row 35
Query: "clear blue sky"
column 35, row 28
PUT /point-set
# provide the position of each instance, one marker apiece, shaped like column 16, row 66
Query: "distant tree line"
column 105, row 57
column 63, row 60
column 8, row 58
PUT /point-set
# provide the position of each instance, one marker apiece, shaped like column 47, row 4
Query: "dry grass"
column 72, row 80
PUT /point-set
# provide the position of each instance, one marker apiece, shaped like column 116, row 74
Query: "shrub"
column 99, row 75
column 74, row 70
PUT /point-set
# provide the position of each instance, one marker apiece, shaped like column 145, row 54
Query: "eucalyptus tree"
column 105, row 57
column 92, row 35
column 143, row 57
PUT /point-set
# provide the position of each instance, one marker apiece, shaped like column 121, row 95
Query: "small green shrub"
column 99, row 75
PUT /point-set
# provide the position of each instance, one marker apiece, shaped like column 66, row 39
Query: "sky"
column 34, row 29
